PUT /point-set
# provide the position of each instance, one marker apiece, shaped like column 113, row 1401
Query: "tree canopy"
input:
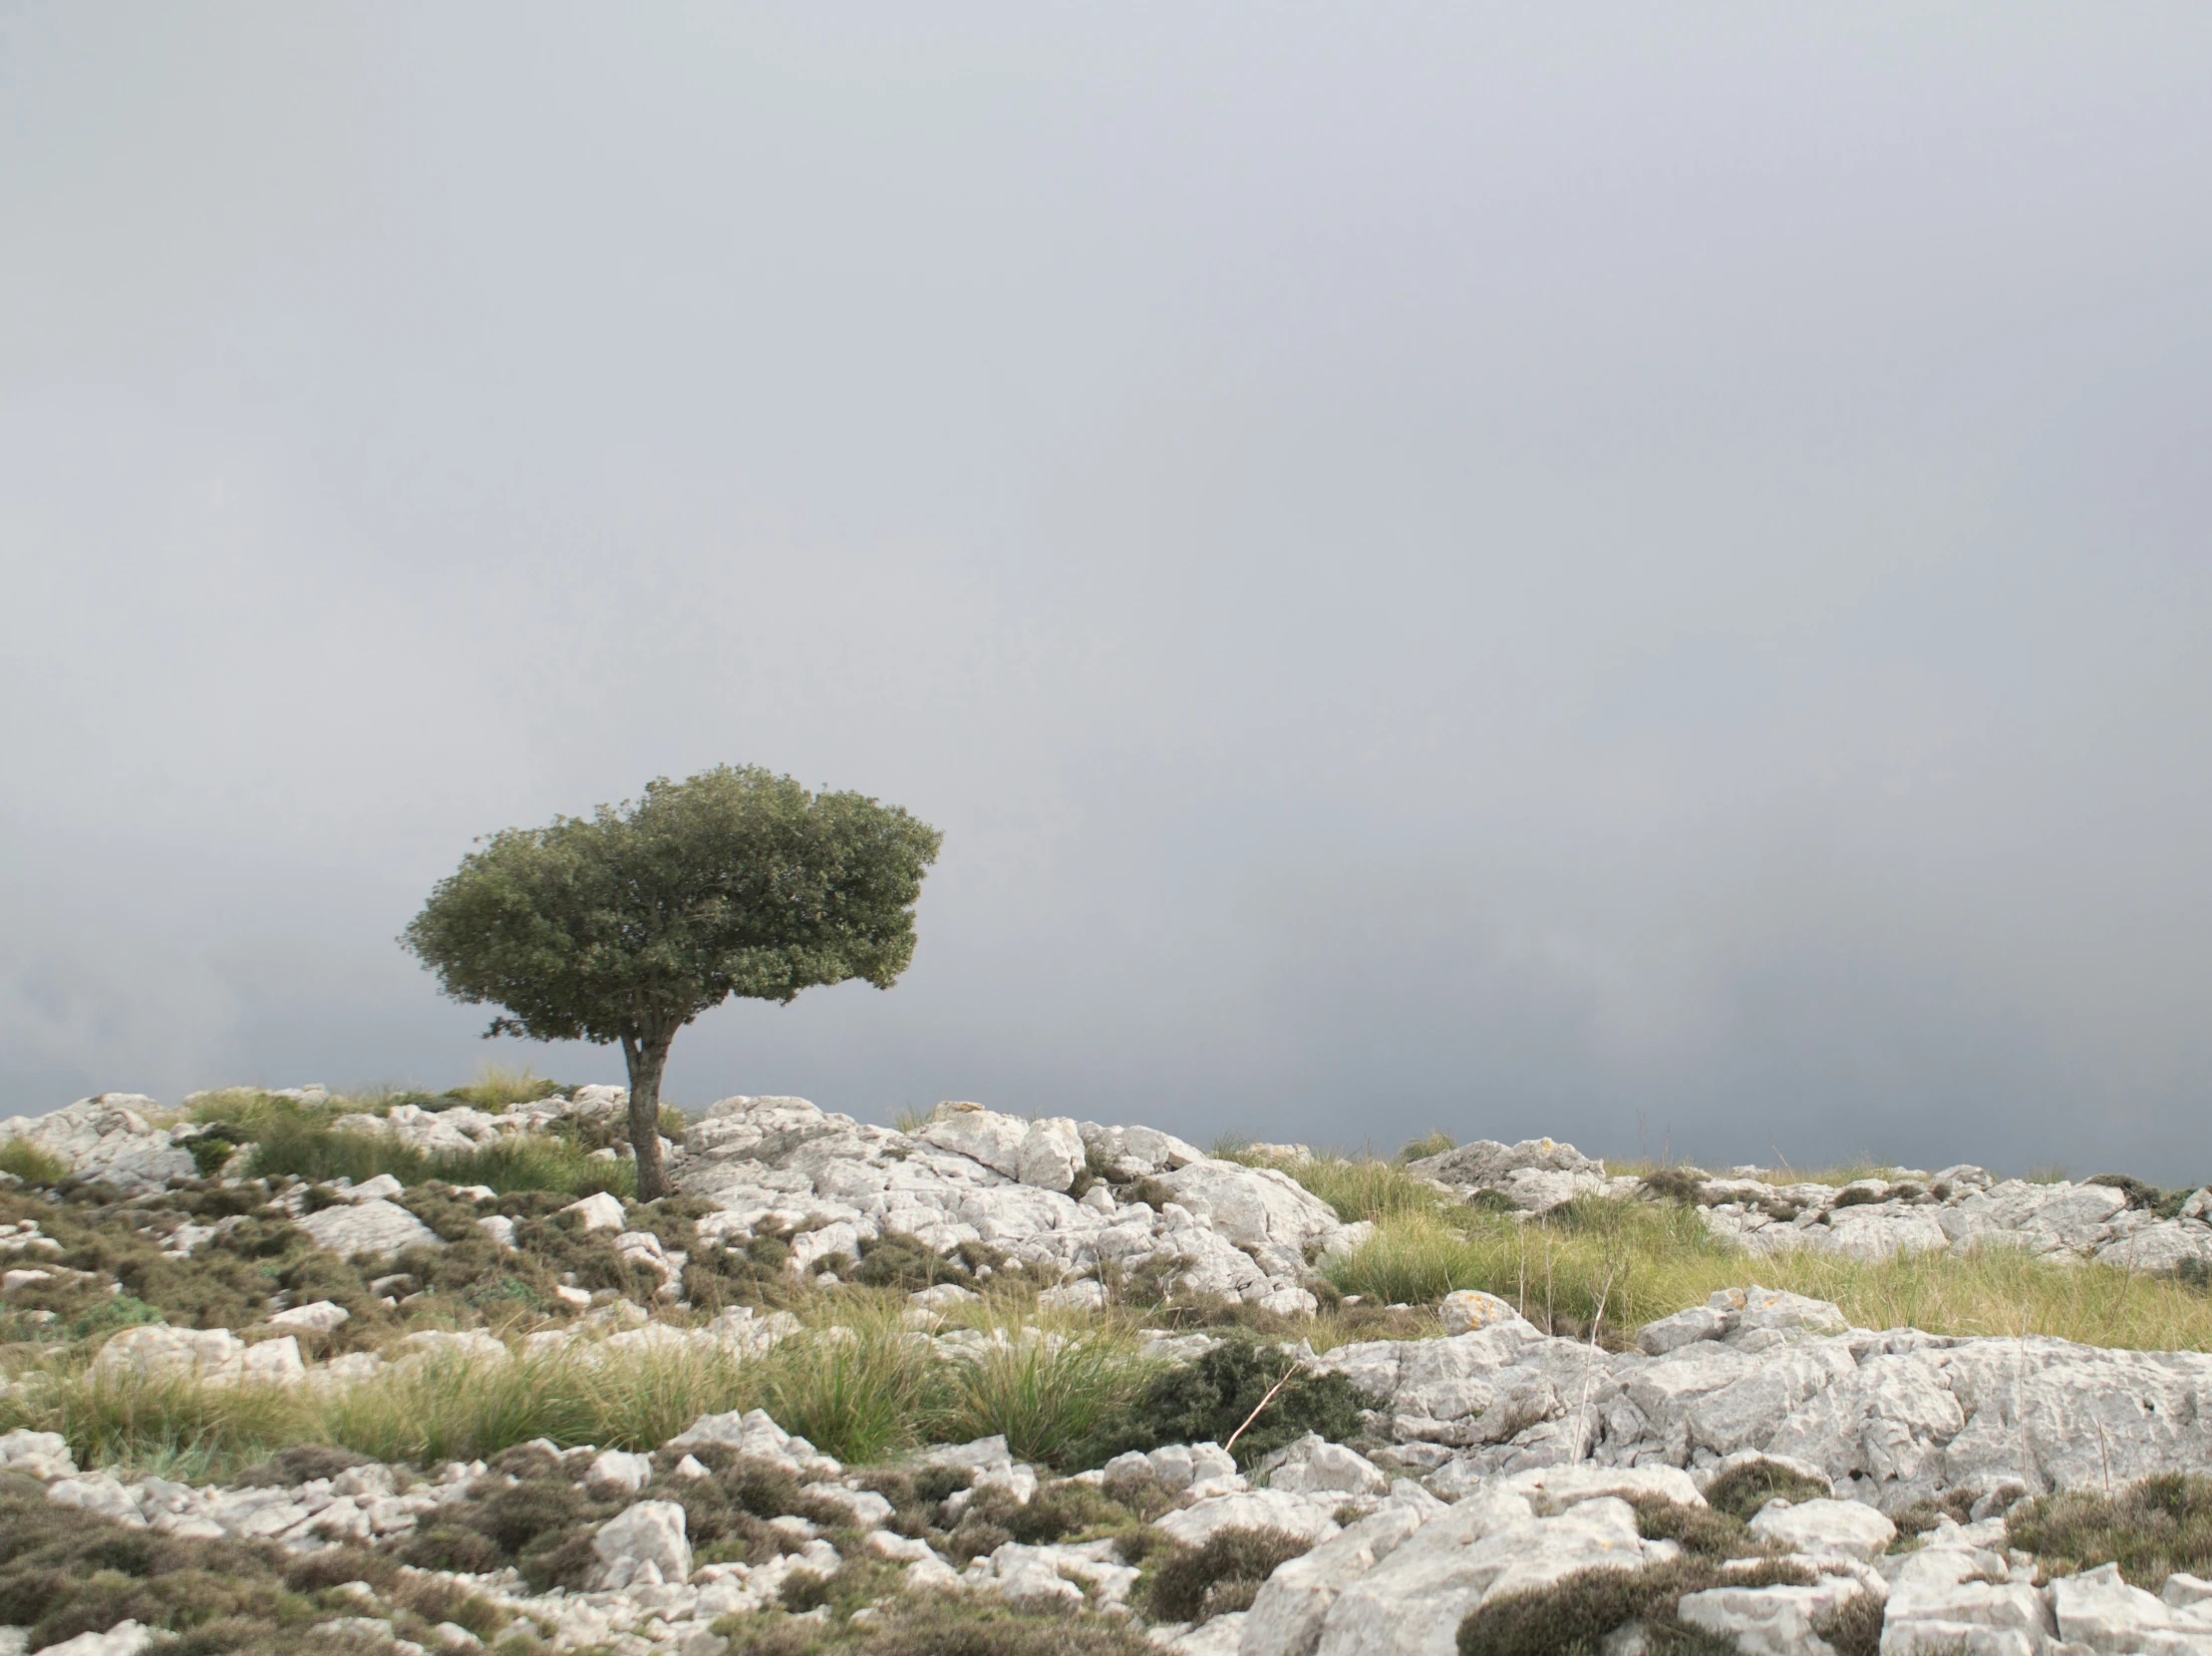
column 625, row 925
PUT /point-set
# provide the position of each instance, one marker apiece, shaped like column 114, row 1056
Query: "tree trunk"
column 647, row 1057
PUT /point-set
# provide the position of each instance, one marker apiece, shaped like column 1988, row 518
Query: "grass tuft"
column 31, row 1163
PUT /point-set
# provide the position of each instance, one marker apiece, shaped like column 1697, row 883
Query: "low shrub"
column 1206, row 1400
column 1923, row 1515
column 902, row 1262
column 927, row 1625
column 2166, row 1204
column 2152, row 1529
column 1572, row 1616
column 1744, row 1489
column 1675, row 1185
column 1194, row 1583
column 66, row 1571
column 1852, row 1628
column 541, row 1525
column 1700, row 1531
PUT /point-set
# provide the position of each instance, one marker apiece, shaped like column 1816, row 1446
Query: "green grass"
column 31, row 1163
column 1647, row 1259
column 860, row 1388
column 1053, row 1398
column 497, row 1086
column 537, row 1161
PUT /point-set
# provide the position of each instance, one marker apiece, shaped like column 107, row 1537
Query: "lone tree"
column 626, row 925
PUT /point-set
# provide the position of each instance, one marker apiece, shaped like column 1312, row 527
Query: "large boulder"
column 1258, row 1209
column 377, row 1227
column 644, row 1542
column 1044, row 1153
column 1136, row 1151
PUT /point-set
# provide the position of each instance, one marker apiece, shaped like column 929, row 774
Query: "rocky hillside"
column 421, row 1376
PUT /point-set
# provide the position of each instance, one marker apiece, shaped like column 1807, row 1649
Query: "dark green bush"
column 1206, row 1400
column 1191, row 1583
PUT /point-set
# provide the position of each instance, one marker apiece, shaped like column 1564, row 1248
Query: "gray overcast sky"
column 1525, row 569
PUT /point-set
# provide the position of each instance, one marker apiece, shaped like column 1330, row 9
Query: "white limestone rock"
column 1310, row 1516
column 1314, row 1467
column 2099, row 1610
column 1136, row 1151
column 108, row 1137
column 1286, row 1619
column 648, row 1535
column 1471, row 1308
column 212, row 1356
column 1260, row 1209
column 317, row 1317
column 126, row 1638
column 1770, row 1621
column 1826, row 1529
column 1085, row 1295
column 1413, row 1600
column 375, row 1227
column 601, row 1210
column 626, row 1471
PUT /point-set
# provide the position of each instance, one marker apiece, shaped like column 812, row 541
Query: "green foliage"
column 2152, row 1529
column 732, row 883
column 1194, row 1583
column 31, row 1163
column 1744, row 1489
column 1364, row 1189
column 626, row 925
column 1206, row 1400
column 1432, row 1142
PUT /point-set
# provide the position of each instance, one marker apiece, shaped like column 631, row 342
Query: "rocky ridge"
column 1493, row 1462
